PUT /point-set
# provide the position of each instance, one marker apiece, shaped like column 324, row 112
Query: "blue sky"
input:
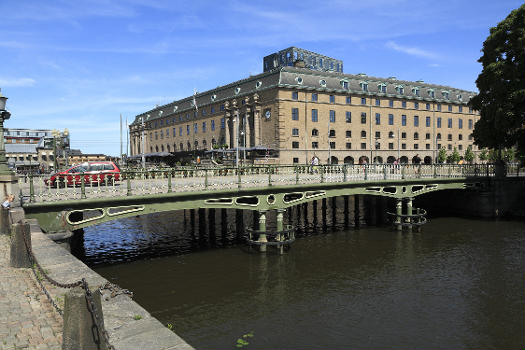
column 80, row 64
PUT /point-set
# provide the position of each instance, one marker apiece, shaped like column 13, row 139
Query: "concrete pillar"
column 334, row 211
column 262, row 226
column 19, row 254
column 256, row 126
column 399, row 212
column 314, row 211
column 372, row 203
column 280, row 224
column 80, row 330
column 323, row 215
column 227, row 123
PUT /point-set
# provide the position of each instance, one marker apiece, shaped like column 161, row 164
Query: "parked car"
column 95, row 173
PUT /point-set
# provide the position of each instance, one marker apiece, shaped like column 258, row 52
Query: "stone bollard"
column 80, row 330
column 5, row 224
column 19, row 253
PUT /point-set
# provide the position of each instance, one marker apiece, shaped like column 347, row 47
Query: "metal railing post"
column 322, row 173
column 238, row 177
column 296, row 175
column 169, row 181
column 31, row 189
column 205, row 178
column 345, row 173
column 128, row 184
column 366, row 171
column 82, row 186
column 403, row 170
column 269, row 175
column 384, row 172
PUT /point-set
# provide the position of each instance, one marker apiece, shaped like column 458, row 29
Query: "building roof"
column 311, row 80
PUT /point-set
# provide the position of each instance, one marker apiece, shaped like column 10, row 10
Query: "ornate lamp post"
column 4, row 115
column 55, row 134
column 8, row 179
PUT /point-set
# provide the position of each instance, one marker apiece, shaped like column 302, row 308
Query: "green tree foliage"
column 442, row 155
column 501, row 85
column 484, row 156
column 469, row 155
column 453, row 157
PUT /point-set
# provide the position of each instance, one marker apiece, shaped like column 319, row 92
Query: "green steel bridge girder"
column 69, row 215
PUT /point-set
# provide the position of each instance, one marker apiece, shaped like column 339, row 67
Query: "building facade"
column 302, row 113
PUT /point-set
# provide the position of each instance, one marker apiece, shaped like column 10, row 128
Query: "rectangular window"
column 403, row 135
column 348, row 145
column 295, row 95
column 332, row 99
column 295, row 113
column 212, row 122
column 439, row 107
column 390, row 103
column 460, row 109
column 363, row 145
column 223, row 123
column 315, row 117
column 416, row 105
column 195, row 128
column 348, row 100
column 295, row 160
column 390, row 119
column 332, row 145
column 332, row 116
column 404, row 104
column 450, row 108
column 348, row 117
column 427, row 122
column 348, row 133
column 427, row 136
column 203, row 112
column 428, row 106
column 345, row 85
column 438, row 122
column 403, row 120
column 363, row 117
column 363, row 100
column 403, row 146
column 331, row 133
column 390, row 145
column 470, row 110
column 221, row 107
column 212, row 109
column 416, row 146
column 314, row 97
column 187, row 129
column 295, row 132
column 470, row 124
column 203, row 126
column 460, row 123
column 378, row 119
column 449, row 124
column 180, row 131
column 416, row 120
column 427, row 146
column 378, row 134
column 295, row 144
column 378, row 102
column 315, row 145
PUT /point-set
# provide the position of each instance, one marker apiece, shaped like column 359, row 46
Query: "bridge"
column 95, row 199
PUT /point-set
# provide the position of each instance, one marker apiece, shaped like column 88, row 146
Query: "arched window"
column 162, row 148
column 438, row 136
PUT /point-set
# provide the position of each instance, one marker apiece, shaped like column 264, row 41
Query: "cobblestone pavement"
column 27, row 318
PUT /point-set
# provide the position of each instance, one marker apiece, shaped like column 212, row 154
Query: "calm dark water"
column 457, row 284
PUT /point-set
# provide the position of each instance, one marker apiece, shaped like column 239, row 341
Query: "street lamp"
column 236, row 130
column 143, row 126
column 55, row 134
column 4, row 115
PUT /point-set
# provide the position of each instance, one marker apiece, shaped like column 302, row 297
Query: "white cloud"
column 412, row 51
column 17, row 82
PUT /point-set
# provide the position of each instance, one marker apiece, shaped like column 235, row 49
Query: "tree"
column 501, row 85
column 442, row 155
column 453, row 157
column 484, row 156
column 469, row 155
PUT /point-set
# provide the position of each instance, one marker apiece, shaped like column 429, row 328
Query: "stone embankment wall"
column 129, row 325
column 499, row 198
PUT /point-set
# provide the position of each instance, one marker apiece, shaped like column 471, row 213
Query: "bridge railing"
column 38, row 188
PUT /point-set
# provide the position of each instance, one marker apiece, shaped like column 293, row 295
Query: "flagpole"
column 127, row 141
column 194, row 120
column 120, row 156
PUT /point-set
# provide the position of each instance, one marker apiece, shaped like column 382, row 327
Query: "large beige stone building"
column 299, row 109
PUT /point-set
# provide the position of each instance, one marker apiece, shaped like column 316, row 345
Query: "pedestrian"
column 7, row 201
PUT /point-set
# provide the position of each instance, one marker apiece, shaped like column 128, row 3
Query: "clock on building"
column 267, row 114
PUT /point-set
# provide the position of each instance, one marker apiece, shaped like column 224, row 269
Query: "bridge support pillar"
column 409, row 212
column 399, row 212
column 262, row 230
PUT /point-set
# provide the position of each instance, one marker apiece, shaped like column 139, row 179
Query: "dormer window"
column 322, row 82
column 175, row 108
column 415, row 91
column 445, row 94
column 381, row 88
column 431, row 93
column 344, row 84
column 400, row 90
column 459, row 97
column 213, row 97
column 364, row 86
column 237, row 90
column 299, row 80
column 258, row 84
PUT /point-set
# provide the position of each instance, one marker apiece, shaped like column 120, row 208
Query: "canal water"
column 457, row 284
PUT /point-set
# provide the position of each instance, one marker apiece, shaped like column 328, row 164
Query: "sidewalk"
column 27, row 318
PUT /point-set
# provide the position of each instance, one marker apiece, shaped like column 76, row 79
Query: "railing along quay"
column 77, row 186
